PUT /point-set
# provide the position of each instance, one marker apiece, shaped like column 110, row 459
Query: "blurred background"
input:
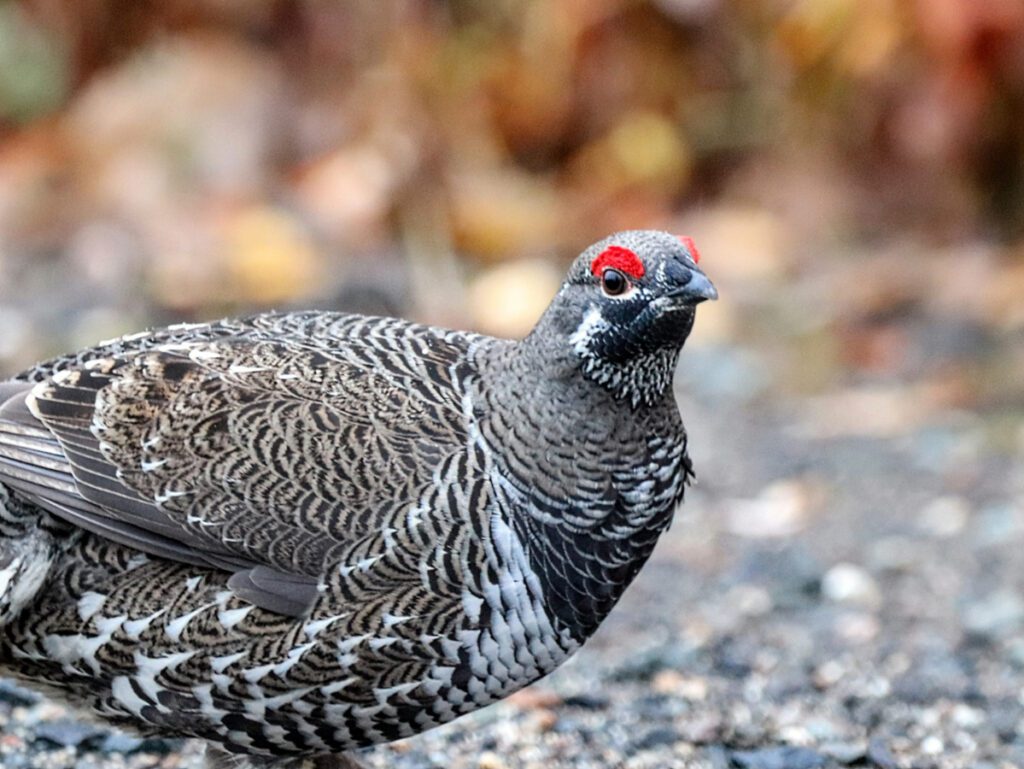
column 849, row 168
column 853, row 173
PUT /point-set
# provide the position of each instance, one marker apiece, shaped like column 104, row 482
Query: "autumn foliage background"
column 853, row 171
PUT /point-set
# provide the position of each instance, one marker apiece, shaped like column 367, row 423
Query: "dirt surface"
column 823, row 599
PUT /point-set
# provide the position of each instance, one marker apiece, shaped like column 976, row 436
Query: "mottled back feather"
column 266, row 446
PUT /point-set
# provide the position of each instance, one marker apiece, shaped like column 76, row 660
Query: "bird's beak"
column 696, row 290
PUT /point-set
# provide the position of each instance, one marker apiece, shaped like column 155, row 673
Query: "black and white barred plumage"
column 300, row 534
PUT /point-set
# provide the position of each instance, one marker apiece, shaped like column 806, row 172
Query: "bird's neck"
column 637, row 377
column 586, row 481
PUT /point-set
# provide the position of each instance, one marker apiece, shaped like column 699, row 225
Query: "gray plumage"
column 303, row 533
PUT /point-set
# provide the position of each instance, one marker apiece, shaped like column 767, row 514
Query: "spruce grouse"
column 300, row 534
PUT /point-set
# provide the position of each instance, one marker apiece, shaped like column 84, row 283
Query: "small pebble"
column 894, row 554
column 490, row 760
column 749, row 600
column 118, row 742
column 15, row 696
column 944, row 517
column 880, row 756
column 795, row 734
column 657, row 737
column 701, row 730
column 586, row 701
column 544, row 719
column 823, row 729
column 643, row 666
column 857, row 627
column 779, row 511
column 779, row 758
column 849, row 583
column 687, row 687
column 1015, row 652
column 967, row 717
column 998, row 524
column 534, row 697
column 844, row 752
column 66, row 733
column 995, row 616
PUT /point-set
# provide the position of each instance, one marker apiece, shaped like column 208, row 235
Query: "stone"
column 779, row 758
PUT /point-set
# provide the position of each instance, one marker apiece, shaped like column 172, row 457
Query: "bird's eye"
column 614, row 282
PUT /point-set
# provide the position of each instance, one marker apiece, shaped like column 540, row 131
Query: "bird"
column 300, row 534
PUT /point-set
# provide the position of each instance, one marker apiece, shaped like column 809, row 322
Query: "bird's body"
column 301, row 534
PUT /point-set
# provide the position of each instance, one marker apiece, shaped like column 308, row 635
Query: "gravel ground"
column 824, row 599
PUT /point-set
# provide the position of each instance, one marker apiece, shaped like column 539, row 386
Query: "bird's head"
column 626, row 308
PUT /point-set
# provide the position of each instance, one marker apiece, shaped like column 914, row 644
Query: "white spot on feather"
column 414, row 517
column 294, row 655
column 336, row 686
column 231, row 617
column 176, row 626
column 383, row 694
column 471, row 605
column 89, row 604
column 136, row 627
column 169, row 494
column 204, row 695
column 72, row 649
column 254, row 675
column 137, row 560
column 592, row 324
column 366, row 563
column 219, row 664
column 148, row 668
column 122, row 691
column 64, row 377
column 313, row 627
column 7, row 574
column 347, row 644
column 200, row 520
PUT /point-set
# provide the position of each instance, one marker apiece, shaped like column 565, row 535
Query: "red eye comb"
column 619, row 258
column 690, row 246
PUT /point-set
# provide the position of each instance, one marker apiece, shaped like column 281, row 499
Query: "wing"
column 267, row 447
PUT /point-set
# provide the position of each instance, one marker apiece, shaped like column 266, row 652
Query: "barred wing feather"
column 268, row 448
